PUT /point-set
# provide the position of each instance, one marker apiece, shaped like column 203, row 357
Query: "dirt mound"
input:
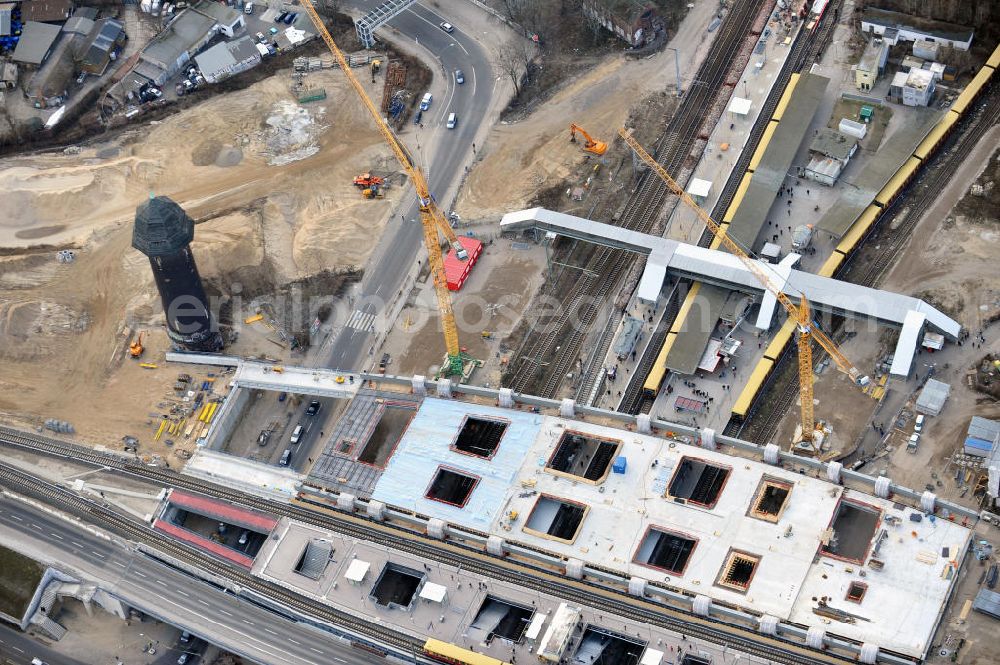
column 229, row 156
column 206, row 153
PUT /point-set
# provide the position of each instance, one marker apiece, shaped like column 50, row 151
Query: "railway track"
column 806, row 50
column 890, row 237
column 605, row 268
column 133, row 530
column 599, row 597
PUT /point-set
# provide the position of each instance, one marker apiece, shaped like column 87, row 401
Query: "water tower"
column 163, row 232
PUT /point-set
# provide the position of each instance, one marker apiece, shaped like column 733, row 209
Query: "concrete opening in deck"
column 853, row 528
column 601, row 646
column 769, row 501
column 583, row 456
column 665, row 550
column 480, row 436
column 503, row 619
column 738, row 571
column 450, row 486
column 396, row 586
column 380, row 445
column 698, row 482
column 557, row 519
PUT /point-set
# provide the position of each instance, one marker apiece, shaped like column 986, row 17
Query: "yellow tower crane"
column 801, row 315
column 431, row 216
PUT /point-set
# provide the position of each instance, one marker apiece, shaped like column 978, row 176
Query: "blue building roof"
column 427, row 445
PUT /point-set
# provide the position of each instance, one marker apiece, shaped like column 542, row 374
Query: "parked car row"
column 286, row 17
column 190, row 80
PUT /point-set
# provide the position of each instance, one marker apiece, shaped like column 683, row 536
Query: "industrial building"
column 912, row 88
column 895, row 27
column 106, row 36
column 47, row 11
column 829, row 153
column 872, row 64
column 36, row 42
column 227, row 19
column 228, row 59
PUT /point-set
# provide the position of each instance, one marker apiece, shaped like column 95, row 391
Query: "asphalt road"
column 16, row 648
column 400, row 242
column 210, row 613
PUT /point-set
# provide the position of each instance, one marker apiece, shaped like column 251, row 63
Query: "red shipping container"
column 456, row 270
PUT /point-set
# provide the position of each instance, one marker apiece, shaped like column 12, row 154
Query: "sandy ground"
column 493, row 300
column 535, row 152
column 65, row 326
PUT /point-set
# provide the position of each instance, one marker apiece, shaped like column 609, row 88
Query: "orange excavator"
column 366, row 180
column 136, row 348
column 592, row 145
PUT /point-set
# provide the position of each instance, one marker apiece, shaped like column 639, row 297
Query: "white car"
column 452, row 121
column 447, row 27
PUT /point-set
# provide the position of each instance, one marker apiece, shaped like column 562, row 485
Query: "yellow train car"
column 717, row 240
column 831, row 264
column 779, row 110
column 752, row 387
column 972, row 90
column 897, row 182
column 741, row 191
column 454, row 655
column 936, row 135
column 994, row 60
column 858, row 230
column 780, row 340
column 656, row 375
column 758, row 154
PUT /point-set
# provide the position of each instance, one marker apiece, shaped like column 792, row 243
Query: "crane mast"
column 431, row 217
column 800, row 314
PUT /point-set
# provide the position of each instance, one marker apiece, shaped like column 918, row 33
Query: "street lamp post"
column 677, row 68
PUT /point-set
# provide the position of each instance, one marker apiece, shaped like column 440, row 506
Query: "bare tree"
column 508, row 61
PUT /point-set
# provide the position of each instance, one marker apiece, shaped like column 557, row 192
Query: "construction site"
column 558, row 323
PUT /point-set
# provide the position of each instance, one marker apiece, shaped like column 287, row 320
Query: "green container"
column 314, row 95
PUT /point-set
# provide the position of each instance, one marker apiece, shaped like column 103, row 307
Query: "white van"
column 286, row 457
column 425, row 103
column 248, row 8
column 918, row 425
column 452, row 121
column 297, row 434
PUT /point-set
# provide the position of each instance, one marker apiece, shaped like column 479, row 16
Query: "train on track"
column 963, row 104
column 454, row 655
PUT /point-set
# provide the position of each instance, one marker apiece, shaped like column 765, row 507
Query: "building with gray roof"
column 228, row 20
column 106, row 36
column 172, row 49
column 46, row 10
column 228, row 59
column 78, row 25
column 896, row 27
column 37, row 40
column 829, row 154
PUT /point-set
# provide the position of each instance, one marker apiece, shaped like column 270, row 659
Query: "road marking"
column 316, row 650
column 225, row 612
column 268, row 630
column 249, row 623
column 98, row 554
column 339, row 660
column 142, row 575
column 161, row 583
column 56, row 535
column 362, row 321
column 80, row 545
column 294, row 642
column 16, row 649
column 36, row 526
column 119, row 563
column 17, row 518
column 203, row 602
column 182, row 593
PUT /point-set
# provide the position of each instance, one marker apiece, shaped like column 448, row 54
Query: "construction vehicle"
column 808, row 330
column 367, row 180
column 136, row 348
column 253, row 319
column 592, row 145
column 431, row 217
column 373, row 192
column 376, row 67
